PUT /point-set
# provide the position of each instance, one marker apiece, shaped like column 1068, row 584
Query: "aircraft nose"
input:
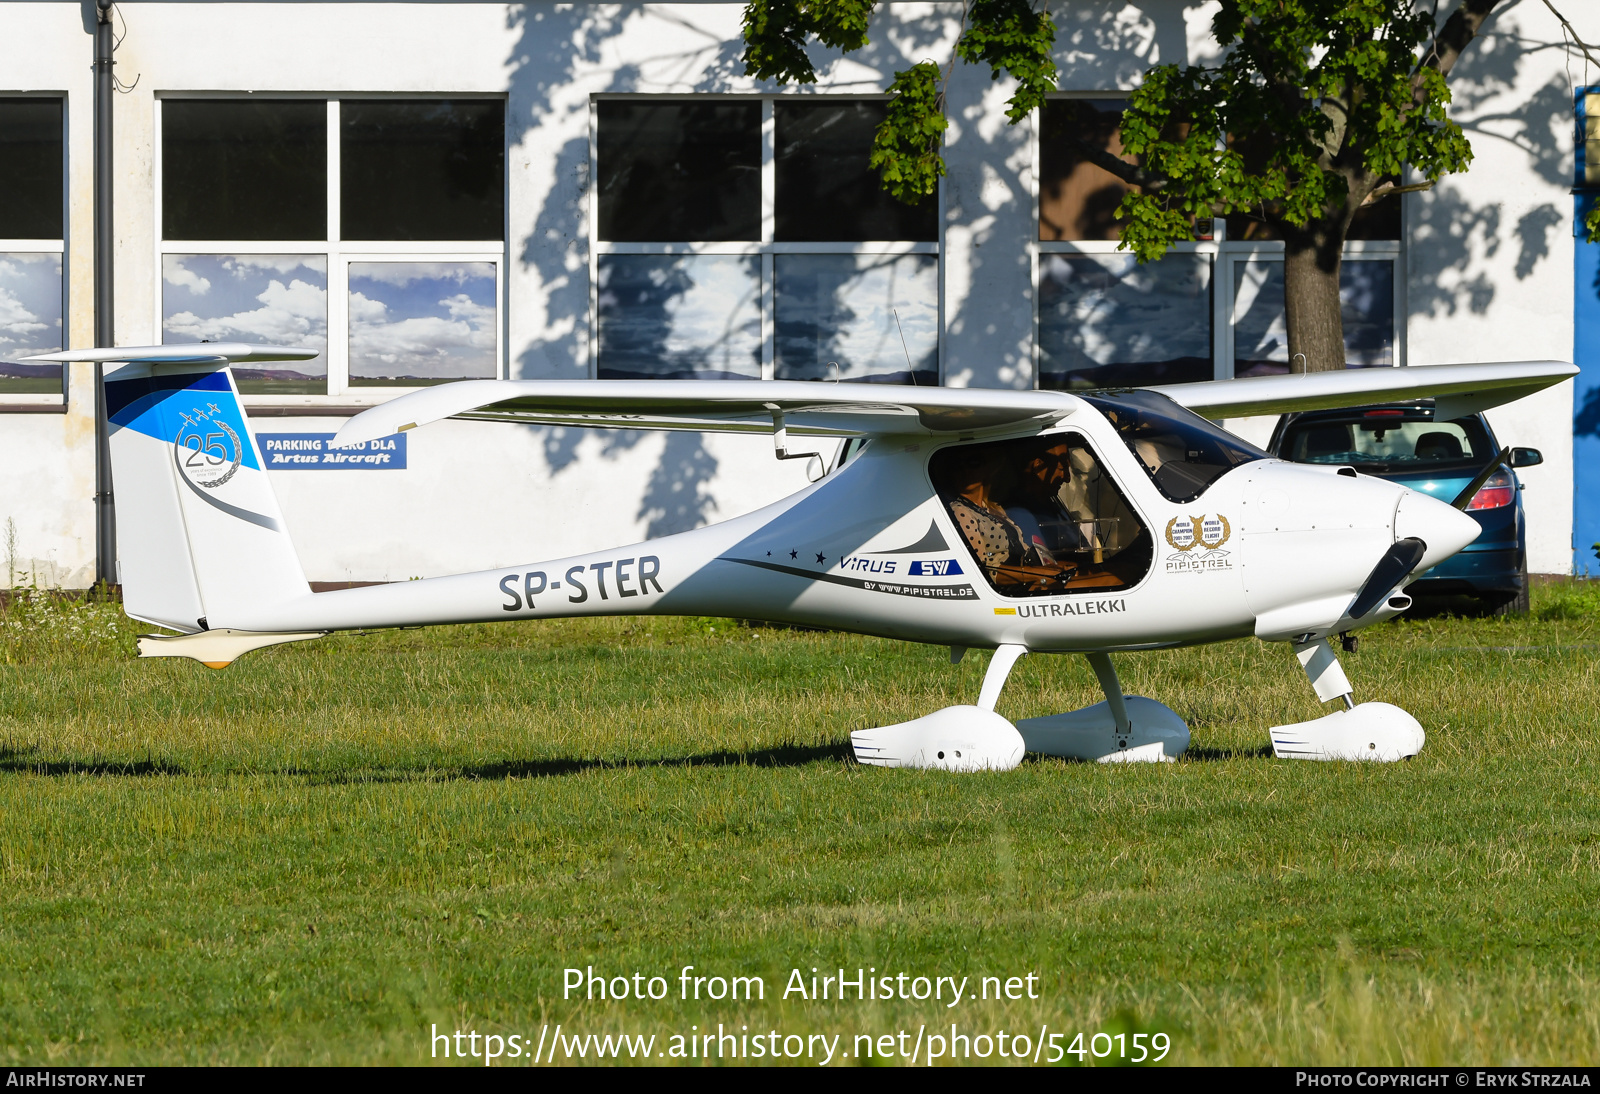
column 1444, row 528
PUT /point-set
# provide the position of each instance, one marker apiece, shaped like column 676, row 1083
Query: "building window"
column 274, row 299
column 1260, row 333
column 1208, row 309
column 1104, row 319
column 1586, row 189
column 744, row 238
column 415, row 323
column 32, row 220
column 429, row 169
column 1107, row 321
column 371, row 229
column 251, row 169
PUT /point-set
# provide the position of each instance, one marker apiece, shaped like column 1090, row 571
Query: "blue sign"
column 315, row 452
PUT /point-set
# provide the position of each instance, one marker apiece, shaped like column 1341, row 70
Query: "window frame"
column 1224, row 254
column 766, row 247
column 1585, row 193
column 339, row 253
column 48, row 402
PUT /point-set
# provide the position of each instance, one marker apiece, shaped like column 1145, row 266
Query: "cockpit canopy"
column 1180, row 451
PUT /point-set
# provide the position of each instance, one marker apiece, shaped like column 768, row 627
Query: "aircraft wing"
column 855, row 409
column 1458, row 389
column 834, row 409
column 740, row 406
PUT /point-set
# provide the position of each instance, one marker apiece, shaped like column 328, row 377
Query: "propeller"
column 1464, row 498
column 1398, row 561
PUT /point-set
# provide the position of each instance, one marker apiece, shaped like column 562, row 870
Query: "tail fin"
column 200, row 538
column 201, row 542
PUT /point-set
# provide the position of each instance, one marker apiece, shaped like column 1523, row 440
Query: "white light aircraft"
column 1018, row 521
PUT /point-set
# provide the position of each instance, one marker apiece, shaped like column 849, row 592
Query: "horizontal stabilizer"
column 184, row 353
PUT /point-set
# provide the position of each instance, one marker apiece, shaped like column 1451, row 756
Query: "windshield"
column 1180, row 451
column 1388, row 439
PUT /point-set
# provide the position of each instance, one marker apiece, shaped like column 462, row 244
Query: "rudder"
column 201, row 541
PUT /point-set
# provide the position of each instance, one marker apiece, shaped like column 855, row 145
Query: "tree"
column 1008, row 35
column 1315, row 109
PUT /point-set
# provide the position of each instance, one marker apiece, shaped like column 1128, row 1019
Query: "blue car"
column 1403, row 443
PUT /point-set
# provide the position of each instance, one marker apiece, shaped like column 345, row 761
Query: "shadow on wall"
column 1586, row 416
column 1449, row 233
column 564, row 45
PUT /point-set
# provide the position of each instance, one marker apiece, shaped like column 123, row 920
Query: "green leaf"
column 775, row 42
column 1012, row 38
column 906, row 147
column 1592, row 223
column 1310, row 96
column 776, row 31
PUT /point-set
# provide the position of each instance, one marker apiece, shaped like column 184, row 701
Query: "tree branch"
column 1130, row 173
column 1454, row 37
column 1384, row 191
column 1569, row 29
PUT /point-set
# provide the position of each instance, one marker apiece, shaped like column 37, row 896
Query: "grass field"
column 324, row 851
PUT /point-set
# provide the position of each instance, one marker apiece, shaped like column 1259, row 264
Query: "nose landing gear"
column 1365, row 731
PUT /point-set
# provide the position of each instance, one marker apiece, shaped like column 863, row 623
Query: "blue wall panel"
column 1586, row 398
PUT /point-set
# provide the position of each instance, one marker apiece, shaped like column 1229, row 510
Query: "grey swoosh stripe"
column 957, row 592
column 260, row 519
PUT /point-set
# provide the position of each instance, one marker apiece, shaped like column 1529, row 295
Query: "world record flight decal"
column 1198, row 542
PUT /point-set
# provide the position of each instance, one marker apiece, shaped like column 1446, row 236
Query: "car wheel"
column 1518, row 604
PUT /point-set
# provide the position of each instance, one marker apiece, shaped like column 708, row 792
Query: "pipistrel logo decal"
column 1198, row 542
column 208, row 449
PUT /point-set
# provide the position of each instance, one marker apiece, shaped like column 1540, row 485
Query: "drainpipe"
column 105, row 519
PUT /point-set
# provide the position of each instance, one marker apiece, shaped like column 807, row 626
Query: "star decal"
column 794, row 554
column 821, row 558
column 769, row 554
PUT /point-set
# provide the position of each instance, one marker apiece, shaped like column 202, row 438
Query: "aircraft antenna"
column 902, row 330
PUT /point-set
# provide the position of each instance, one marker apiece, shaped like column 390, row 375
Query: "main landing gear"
column 969, row 738
column 1130, row 728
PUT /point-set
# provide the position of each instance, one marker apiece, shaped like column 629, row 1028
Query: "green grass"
column 319, row 853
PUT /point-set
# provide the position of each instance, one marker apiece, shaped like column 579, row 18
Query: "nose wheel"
column 1366, row 731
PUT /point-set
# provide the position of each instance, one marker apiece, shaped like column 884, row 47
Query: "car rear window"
column 1387, row 439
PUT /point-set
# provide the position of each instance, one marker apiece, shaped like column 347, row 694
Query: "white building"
column 438, row 190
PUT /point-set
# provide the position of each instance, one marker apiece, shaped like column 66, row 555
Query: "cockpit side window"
column 1042, row 516
column 1181, row 452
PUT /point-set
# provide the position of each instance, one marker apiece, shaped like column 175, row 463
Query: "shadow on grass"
column 1211, row 755
column 19, row 761
column 780, row 756
column 22, row 761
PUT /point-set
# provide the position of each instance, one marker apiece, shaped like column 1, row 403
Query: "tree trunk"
column 1311, row 297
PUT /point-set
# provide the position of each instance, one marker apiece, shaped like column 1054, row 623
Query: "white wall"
column 1489, row 268
column 47, row 460
column 1489, row 252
